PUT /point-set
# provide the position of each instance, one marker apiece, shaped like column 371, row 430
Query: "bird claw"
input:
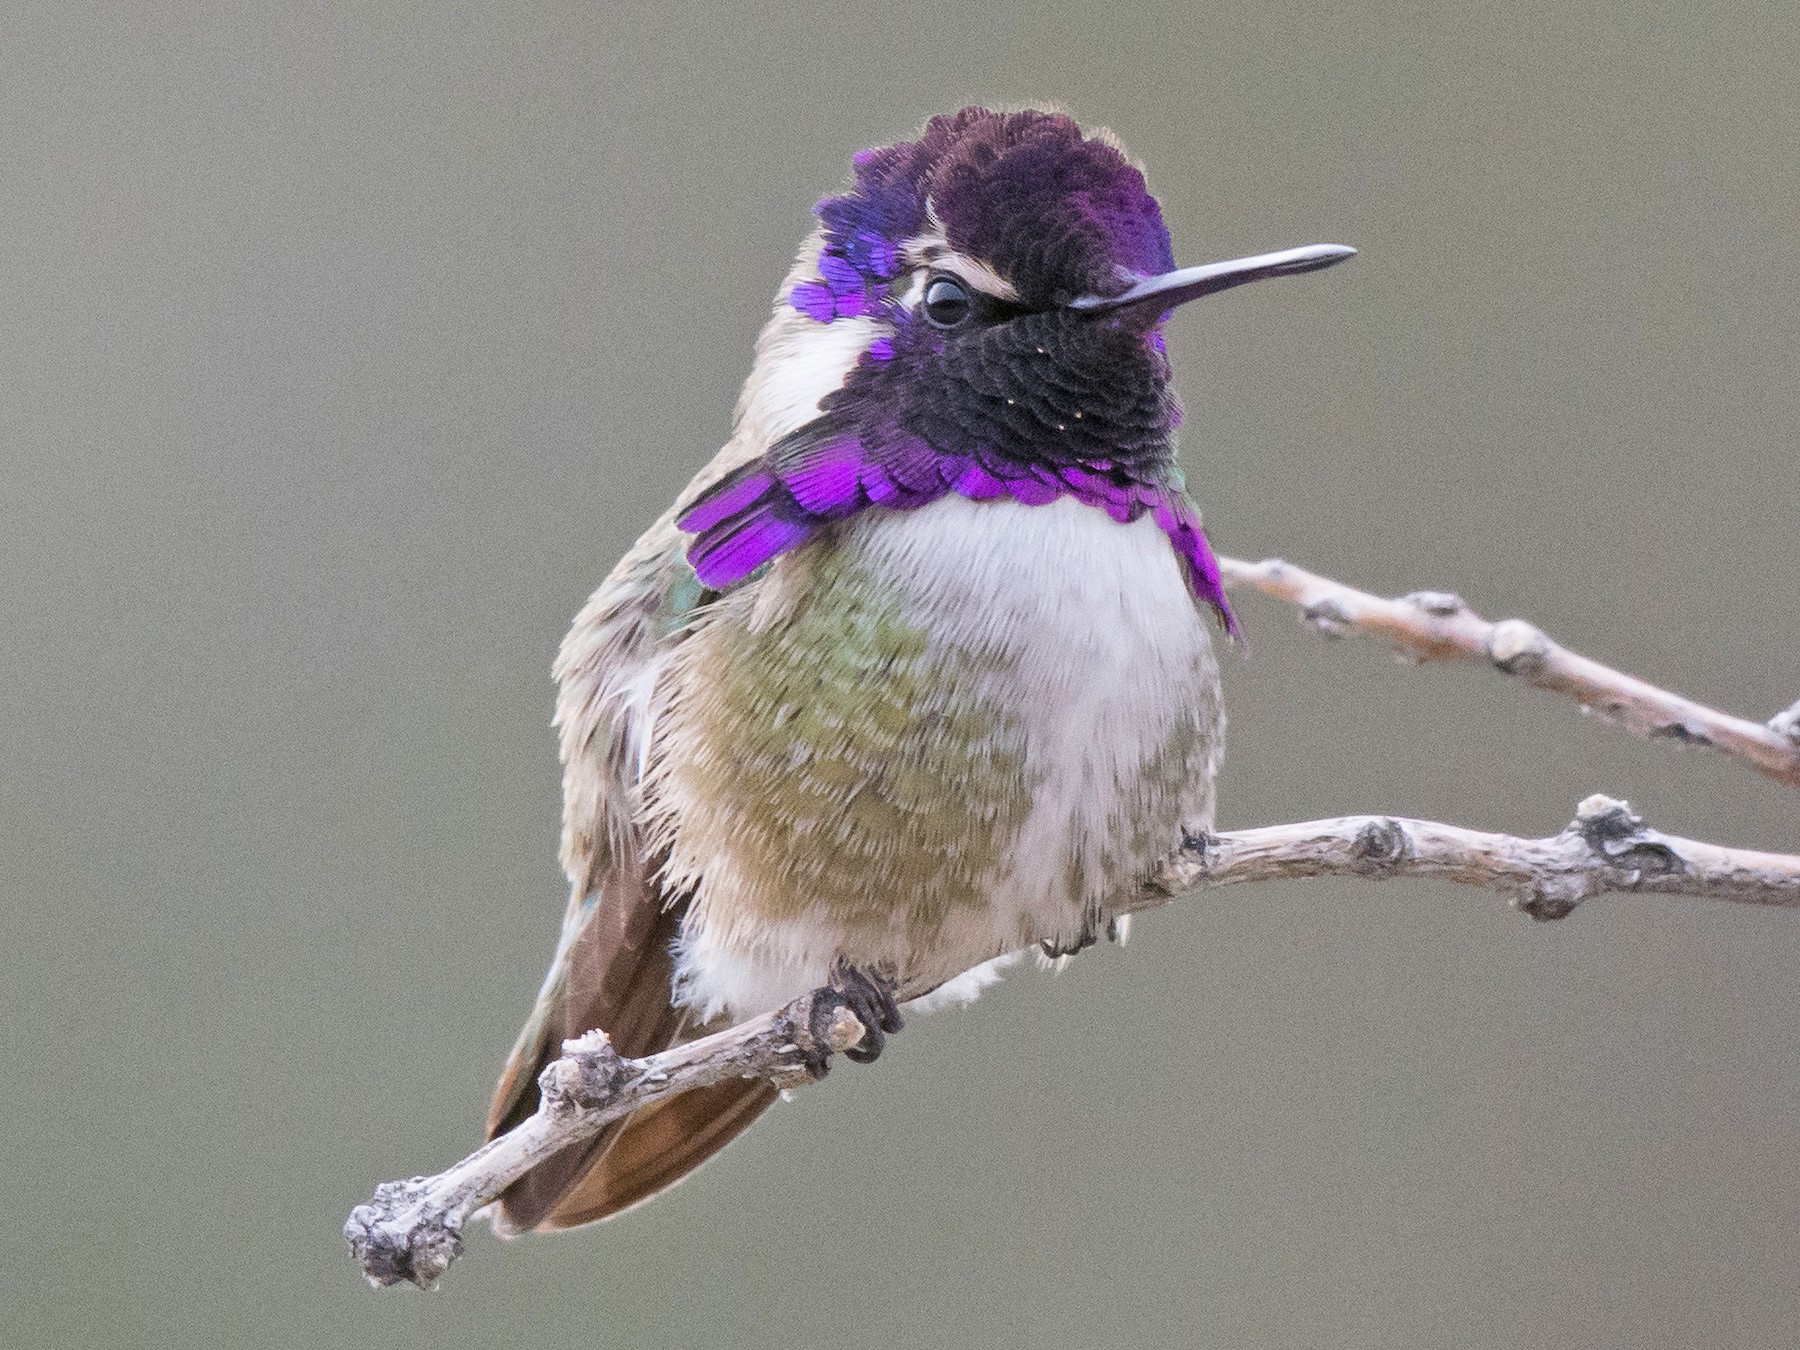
column 868, row 998
column 871, row 999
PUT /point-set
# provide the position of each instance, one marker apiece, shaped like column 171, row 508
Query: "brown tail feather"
column 658, row 1147
column 618, row 977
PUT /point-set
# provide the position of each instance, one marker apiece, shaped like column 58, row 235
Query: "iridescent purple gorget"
column 1040, row 402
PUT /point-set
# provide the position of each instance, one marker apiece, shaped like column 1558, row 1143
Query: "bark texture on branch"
column 1606, row 848
column 412, row 1230
column 1440, row 626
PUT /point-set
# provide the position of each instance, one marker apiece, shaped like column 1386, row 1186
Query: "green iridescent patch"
column 869, row 772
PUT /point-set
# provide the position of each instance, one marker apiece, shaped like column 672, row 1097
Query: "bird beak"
column 1152, row 297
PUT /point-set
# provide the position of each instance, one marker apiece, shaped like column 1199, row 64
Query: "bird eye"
column 947, row 302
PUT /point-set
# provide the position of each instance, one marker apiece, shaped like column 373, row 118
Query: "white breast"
column 1100, row 647
column 1112, row 655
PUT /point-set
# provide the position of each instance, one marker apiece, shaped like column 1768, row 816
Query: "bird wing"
column 613, row 965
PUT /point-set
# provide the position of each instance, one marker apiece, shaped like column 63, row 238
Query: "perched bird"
column 916, row 674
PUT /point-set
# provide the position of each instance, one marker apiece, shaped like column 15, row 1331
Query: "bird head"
column 980, row 312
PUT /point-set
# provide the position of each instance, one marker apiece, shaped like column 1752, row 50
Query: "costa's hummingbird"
column 916, row 674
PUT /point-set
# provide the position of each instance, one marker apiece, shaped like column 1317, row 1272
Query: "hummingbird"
column 915, row 676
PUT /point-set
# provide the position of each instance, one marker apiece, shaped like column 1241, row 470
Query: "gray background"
column 343, row 349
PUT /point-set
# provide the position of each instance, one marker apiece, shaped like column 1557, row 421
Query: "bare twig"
column 1439, row 626
column 1606, row 848
column 1787, row 723
column 413, row 1229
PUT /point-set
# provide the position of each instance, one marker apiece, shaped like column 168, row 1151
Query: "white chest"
column 1110, row 663
column 1081, row 634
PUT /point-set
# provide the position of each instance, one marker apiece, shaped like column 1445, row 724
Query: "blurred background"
column 343, row 348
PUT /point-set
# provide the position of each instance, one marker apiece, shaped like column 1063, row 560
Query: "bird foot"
column 871, row 998
column 1057, row 948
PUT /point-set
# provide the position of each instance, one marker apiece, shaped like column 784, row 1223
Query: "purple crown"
column 1066, row 213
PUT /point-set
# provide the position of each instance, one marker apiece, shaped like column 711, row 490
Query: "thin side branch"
column 1607, row 848
column 412, row 1230
column 1440, row 626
